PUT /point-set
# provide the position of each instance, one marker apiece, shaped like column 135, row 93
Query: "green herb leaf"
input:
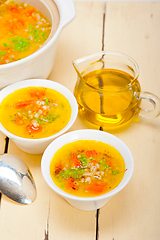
column 83, row 160
column 50, row 118
column 20, row 43
column 115, row 172
column 47, row 101
column 74, row 173
column 62, row 106
column 39, row 120
column 3, row 53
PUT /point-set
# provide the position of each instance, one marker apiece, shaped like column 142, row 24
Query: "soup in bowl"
column 24, row 30
column 34, row 112
column 28, row 37
column 87, row 167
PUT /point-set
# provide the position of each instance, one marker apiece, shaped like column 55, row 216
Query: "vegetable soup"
column 23, row 30
column 35, row 112
column 87, row 168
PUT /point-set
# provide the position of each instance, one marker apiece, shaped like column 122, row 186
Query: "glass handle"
column 155, row 102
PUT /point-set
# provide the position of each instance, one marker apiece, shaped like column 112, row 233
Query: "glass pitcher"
column 108, row 91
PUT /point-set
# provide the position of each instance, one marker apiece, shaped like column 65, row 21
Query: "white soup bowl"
column 37, row 146
column 87, row 203
column 40, row 63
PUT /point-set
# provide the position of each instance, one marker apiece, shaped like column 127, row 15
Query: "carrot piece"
column 108, row 162
column 70, row 185
column 22, row 104
column 91, row 153
column 94, row 161
column 96, row 188
column 32, row 129
column 14, row 10
column 75, row 161
column 58, row 168
column 37, row 93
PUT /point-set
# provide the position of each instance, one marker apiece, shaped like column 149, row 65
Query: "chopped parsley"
column 20, row 43
column 47, row 101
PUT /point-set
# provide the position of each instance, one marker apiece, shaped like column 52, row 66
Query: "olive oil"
column 107, row 97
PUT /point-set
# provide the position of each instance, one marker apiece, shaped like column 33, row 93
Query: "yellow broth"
column 23, row 30
column 87, row 168
column 35, row 112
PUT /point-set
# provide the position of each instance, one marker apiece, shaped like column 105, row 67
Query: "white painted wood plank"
column 133, row 28
column 2, row 143
column 50, row 212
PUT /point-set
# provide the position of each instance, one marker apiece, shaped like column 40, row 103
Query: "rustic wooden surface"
column 133, row 214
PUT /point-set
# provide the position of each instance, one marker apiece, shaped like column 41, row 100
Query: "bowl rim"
column 69, row 137
column 41, row 83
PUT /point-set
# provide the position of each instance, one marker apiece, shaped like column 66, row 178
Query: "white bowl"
column 40, row 63
column 87, row 203
column 37, row 146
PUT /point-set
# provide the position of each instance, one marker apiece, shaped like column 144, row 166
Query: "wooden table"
column 134, row 214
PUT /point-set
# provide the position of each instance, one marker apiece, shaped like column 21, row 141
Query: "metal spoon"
column 16, row 181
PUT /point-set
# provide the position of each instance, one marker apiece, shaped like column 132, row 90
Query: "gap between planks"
column 47, row 225
column 101, row 129
column 5, row 151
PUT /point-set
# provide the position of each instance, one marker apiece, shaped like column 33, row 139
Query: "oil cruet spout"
column 16, row 181
column 88, row 64
column 75, row 65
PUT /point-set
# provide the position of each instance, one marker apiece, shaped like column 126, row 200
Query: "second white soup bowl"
column 37, row 146
column 87, row 203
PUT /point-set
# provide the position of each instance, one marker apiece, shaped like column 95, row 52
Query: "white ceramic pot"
column 40, row 63
column 37, row 146
column 87, row 203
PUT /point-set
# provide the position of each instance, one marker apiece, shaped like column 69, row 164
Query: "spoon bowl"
column 16, row 180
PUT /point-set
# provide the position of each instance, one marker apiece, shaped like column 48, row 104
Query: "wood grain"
column 50, row 216
column 133, row 214
column 133, row 28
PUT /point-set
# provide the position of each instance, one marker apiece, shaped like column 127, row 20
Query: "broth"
column 24, row 30
column 35, row 112
column 87, row 168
